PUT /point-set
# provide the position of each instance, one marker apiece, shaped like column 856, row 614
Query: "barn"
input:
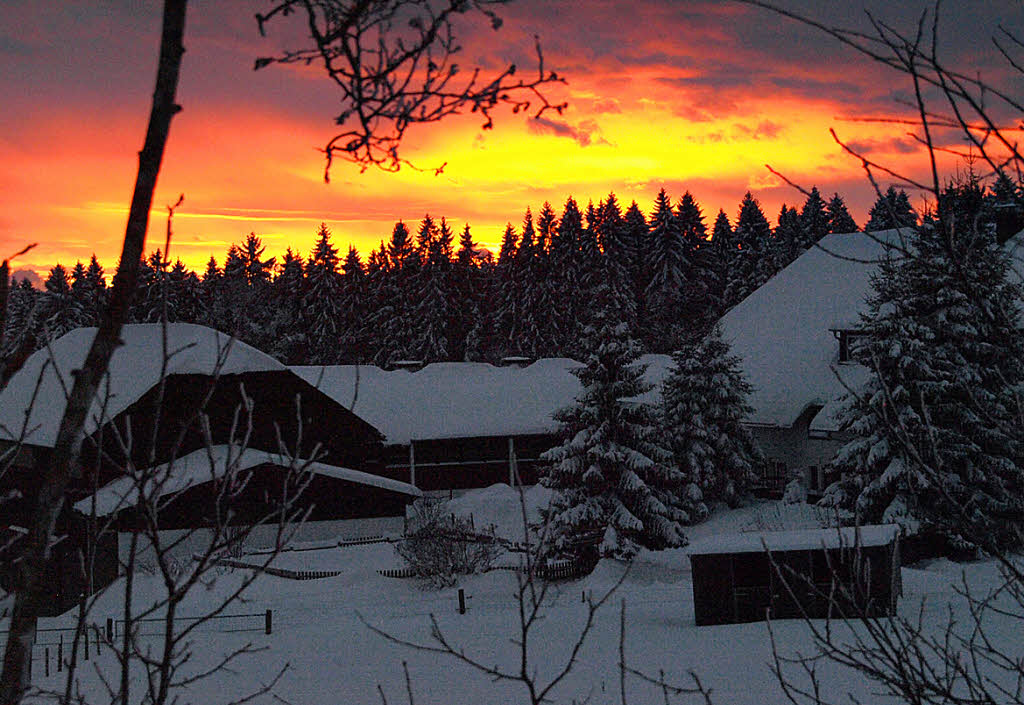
column 818, row 573
column 169, row 391
column 457, row 425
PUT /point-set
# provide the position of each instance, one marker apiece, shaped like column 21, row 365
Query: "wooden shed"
column 817, row 573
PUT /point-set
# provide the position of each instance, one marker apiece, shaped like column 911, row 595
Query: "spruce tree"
column 62, row 312
column 814, row 220
column 700, row 307
column 257, row 270
column 322, row 302
column 751, row 265
column 788, row 242
column 22, row 332
column 531, row 287
column 547, row 224
column 617, row 259
column 612, row 476
column 704, row 401
column 353, row 309
column 723, row 245
column 937, row 441
column 468, row 285
column 567, row 275
column 891, row 210
column 636, row 235
column 839, row 219
column 80, row 293
column 437, row 305
column 394, row 312
column 507, row 306
column 669, row 266
column 97, row 290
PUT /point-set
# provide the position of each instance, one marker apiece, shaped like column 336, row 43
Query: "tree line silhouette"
column 431, row 296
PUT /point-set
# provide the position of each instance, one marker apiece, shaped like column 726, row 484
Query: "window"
column 849, row 340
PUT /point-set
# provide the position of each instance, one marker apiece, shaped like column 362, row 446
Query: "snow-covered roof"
column 45, row 379
column 461, row 399
column 451, row 399
column 782, row 332
column 798, row 540
column 205, row 465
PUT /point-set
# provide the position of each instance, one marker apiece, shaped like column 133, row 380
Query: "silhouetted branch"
column 394, row 62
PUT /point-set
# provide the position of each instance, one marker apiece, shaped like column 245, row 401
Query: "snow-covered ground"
column 332, row 657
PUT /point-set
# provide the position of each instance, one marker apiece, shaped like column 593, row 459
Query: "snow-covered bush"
column 440, row 546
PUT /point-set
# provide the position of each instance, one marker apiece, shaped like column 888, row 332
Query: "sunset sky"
column 693, row 95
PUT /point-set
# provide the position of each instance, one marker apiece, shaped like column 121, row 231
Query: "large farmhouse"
column 792, row 336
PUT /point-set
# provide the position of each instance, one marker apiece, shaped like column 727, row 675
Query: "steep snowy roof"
column 782, row 332
column 854, row 376
column 46, row 377
column 201, row 466
column 798, row 540
column 461, row 399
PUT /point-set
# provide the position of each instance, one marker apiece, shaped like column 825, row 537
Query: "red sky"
column 695, row 95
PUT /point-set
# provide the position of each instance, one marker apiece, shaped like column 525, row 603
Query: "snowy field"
column 332, row 657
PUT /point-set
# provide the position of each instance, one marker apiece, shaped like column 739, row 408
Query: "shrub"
column 440, row 546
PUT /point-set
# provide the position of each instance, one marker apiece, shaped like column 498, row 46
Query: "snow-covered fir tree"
column 814, row 220
column 704, row 401
column 567, row 276
column 534, row 336
column 436, row 296
column 891, row 210
column 288, row 342
column 752, row 264
column 787, row 243
column 353, row 309
column 614, row 479
column 394, row 305
column 668, row 267
column 938, row 441
column 22, row 330
column 637, row 235
column 618, row 258
column 723, row 244
column 839, row 218
column 62, row 311
column 322, row 302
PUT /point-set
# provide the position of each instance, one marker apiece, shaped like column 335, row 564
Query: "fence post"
column 269, row 622
column 462, row 601
column 110, row 630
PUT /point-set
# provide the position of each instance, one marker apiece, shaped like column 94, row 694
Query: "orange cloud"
column 693, row 97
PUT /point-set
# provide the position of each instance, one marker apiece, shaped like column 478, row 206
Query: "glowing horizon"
column 647, row 109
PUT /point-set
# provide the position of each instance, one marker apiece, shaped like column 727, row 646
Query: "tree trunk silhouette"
column 56, row 472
